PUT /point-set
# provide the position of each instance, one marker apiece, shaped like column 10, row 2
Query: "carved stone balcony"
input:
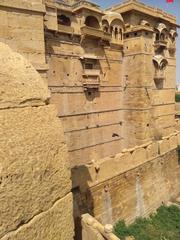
column 159, row 75
column 91, row 32
column 117, row 42
column 65, row 29
column 107, row 36
column 91, row 78
column 160, row 43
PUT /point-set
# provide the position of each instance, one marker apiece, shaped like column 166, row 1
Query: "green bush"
column 177, row 97
column 164, row 225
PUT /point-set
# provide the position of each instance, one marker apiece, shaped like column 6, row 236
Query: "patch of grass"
column 177, row 97
column 164, row 225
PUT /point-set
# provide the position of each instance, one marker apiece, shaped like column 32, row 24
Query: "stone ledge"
column 55, row 223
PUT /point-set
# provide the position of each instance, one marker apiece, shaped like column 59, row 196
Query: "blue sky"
column 173, row 8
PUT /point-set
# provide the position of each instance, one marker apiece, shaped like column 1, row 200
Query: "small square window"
column 88, row 65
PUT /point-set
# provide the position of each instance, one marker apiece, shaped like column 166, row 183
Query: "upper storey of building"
column 84, row 19
column 138, row 7
column 138, row 15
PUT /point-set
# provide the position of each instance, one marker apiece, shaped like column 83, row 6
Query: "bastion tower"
column 149, row 72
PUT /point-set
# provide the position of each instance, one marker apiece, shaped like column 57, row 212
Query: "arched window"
column 92, row 21
column 105, row 25
column 63, row 20
column 157, row 36
column 162, row 36
column 116, row 33
column 111, row 29
column 173, row 39
column 172, row 35
column 121, row 34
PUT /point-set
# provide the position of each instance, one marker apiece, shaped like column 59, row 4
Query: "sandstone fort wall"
column 130, row 184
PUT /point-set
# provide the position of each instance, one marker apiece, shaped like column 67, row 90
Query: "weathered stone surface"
column 54, row 224
column 21, row 85
column 131, row 106
column 35, row 199
column 164, row 146
column 33, row 164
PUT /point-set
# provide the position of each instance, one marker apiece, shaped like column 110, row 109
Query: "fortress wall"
column 35, row 186
column 138, row 70
column 93, row 122
column 133, row 183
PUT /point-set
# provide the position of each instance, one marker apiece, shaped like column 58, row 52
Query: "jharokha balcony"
column 91, row 78
column 159, row 75
column 91, row 32
column 160, row 43
column 107, row 36
column 65, row 29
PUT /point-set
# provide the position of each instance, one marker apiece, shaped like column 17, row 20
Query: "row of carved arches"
column 112, row 23
column 163, row 34
column 90, row 21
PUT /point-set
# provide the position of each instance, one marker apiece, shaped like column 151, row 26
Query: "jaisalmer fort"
column 88, row 128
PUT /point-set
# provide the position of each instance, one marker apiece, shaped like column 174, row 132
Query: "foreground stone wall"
column 131, row 184
column 35, row 198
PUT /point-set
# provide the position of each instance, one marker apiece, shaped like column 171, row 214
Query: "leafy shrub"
column 177, row 97
column 164, row 225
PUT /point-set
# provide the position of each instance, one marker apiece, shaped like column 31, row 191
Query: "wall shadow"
column 82, row 197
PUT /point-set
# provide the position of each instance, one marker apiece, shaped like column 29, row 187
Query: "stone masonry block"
column 54, row 224
column 33, row 164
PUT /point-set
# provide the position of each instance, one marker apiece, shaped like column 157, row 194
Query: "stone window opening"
column 173, row 35
column 162, row 36
column 120, row 34
column 91, row 64
column 105, row 29
column 63, row 20
column 88, row 66
column 157, row 36
column 105, row 25
column 92, row 21
column 116, row 33
column 173, row 39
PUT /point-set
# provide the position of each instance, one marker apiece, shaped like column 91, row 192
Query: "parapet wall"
column 131, row 184
column 35, row 186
